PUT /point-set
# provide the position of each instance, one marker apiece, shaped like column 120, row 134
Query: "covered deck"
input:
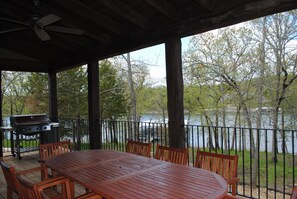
column 109, row 28
column 52, row 36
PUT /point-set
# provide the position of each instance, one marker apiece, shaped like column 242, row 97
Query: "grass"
column 271, row 173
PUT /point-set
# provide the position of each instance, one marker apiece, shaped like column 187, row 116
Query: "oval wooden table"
column 114, row 174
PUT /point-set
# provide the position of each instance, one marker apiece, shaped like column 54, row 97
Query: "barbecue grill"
column 36, row 126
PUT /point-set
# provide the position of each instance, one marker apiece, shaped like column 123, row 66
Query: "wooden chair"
column 89, row 196
column 230, row 197
column 50, row 150
column 294, row 192
column 224, row 165
column 174, row 155
column 44, row 189
column 51, row 188
column 139, row 148
column 11, row 181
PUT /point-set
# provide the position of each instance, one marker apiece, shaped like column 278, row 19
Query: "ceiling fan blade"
column 13, row 30
column 64, row 30
column 43, row 36
column 48, row 19
column 14, row 21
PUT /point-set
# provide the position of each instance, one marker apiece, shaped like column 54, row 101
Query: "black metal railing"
column 262, row 173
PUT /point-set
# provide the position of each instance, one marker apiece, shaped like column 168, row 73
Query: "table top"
column 114, row 174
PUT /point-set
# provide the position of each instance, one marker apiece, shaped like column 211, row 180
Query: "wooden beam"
column 175, row 92
column 235, row 14
column 93, row 99
column 23, row 65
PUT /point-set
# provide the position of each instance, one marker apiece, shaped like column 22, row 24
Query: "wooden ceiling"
column 113, row 27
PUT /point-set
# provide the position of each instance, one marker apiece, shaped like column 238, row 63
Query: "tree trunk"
column 260, row 105
column 135, row 129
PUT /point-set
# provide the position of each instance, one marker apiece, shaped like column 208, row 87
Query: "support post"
column 175, row 91
column 93, row 99
column 1, row 119
column 53, row 105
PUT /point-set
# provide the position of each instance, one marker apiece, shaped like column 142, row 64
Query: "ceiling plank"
column 75, row 21
column 125, row 12
column 164, row 8
column 207, row 4
column 84, row 11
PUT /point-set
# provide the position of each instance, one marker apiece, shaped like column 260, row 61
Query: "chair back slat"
column 50, row 150
column 139, row 148
column 173, row 155
column 224, row 165
column 10, row 177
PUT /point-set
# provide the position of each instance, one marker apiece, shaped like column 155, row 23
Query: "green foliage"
column 37, row 86
column 152, row 101
column 72, row 93
column 113, row 103
column 24, row 93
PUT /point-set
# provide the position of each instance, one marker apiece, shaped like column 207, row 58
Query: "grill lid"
column 29, row 120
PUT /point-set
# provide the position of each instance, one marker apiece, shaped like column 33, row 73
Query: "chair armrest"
column 31, row 170
column 52, row 182
column 232, row 180
column 41, row 160
column 45, row 187
column 42, row 169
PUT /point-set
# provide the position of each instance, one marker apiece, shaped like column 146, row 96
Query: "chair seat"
column 51, row 193
column 89, row 196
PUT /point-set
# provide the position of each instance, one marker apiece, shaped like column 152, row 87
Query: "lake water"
column 196, row 138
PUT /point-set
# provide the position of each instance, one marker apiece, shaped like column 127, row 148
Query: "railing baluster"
column 229, row 140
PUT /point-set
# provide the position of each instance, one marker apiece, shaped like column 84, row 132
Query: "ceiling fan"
column 41, row 25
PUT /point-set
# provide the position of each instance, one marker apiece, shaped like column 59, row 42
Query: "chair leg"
column 9, row 193
column 233, row 189
column 71, row 184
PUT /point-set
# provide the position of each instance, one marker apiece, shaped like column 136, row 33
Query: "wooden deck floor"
column 29, row 160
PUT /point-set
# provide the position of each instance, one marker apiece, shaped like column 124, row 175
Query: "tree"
column 113, row 103
column 37, row 86
column 226, row 59
column 14, row 92
column 135, row 72
column 260, row 24
column 112, row 97
column 281, row 56
column 72, row 88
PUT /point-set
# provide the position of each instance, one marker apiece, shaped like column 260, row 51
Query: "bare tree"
column 14, row 93
column 225, row 58
column 281, row 30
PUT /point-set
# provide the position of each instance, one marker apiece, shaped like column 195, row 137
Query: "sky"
column 155, row 57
